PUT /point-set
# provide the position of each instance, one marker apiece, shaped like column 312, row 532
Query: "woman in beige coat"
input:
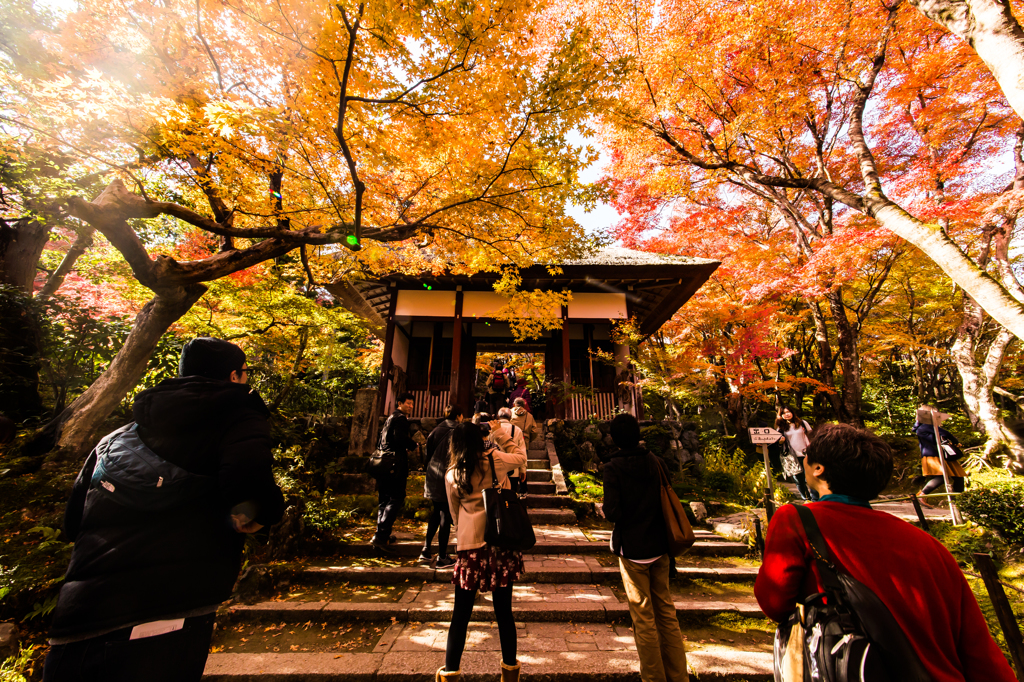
column 478, row 566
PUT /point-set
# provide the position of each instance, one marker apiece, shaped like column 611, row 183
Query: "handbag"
column 508, row 523
column 680, row 533
column 382, row 463
column 950, row 451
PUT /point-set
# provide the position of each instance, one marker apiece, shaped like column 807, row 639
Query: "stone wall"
column 581, row 445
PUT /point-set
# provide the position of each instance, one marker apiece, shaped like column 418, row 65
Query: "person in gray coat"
column 440, row 521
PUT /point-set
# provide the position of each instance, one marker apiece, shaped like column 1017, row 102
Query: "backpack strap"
column 494, row 473
column 827, row 569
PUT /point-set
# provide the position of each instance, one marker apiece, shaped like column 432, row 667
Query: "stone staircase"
column 547, row 498
column 386, row 620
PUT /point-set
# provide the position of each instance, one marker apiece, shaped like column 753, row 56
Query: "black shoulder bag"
column 844, row 634
column 508, row 523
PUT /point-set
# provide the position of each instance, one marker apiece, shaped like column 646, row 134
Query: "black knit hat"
column 210, row 358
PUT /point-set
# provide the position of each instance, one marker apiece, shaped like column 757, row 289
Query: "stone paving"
column 572, row 619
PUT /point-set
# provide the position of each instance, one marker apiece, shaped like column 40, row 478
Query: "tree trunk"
column 989, row 294
column 991, row 29
column 21, row 243
column 303, row 339
column 79, row 423
column 846, row 339
column 82, row 242
column 826, row 361
column 978, row 382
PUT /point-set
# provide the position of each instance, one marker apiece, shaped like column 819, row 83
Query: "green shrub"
column 964, row 541
column 325, row 518
column 998, row 505
column 587, row 487
column 722, row 481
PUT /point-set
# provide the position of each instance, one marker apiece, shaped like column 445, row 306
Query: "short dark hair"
column 402, row 397
column 625, row 430
column 453, row 412
column 857, row 462
column 211, row 358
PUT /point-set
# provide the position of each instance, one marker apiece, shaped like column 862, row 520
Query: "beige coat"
column 468, row 512
column 518, row 445
column 522, row 418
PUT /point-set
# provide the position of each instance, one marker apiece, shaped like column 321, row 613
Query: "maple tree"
column 773, row 98
column 411, row 134
column 816, row 124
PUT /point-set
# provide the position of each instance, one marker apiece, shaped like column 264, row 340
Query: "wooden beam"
column 386, row 364
column 453, row 388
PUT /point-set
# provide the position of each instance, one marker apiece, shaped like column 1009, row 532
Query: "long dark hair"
column 465, row 452
column 783, row 425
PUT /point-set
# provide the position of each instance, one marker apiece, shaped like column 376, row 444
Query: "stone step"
column 534, row 488
column 541, row 476
column 537, row 444
column 542, row 569
column 610, row 611
column 539, row 453
column 548, row 501
column 542, row 515
column 557, row 539
column 535, row 464
column 412, row 652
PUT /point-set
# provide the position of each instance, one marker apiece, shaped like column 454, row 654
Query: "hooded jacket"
column 522, row 418
column 632, row 501
column 437, row 450
column 129, row 566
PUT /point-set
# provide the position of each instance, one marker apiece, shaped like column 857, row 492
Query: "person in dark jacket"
column 142, row 588
column 931, row 464
column 394, row 438
column 632, row 501
column 440, row 521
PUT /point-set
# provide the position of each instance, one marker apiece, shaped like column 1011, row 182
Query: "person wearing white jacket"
column 478, row 566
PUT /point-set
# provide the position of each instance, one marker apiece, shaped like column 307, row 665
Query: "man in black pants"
column 145, row 580
column 391, row 487
column 440, row 521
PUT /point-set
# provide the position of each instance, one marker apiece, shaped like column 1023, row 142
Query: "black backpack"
column 846, row 633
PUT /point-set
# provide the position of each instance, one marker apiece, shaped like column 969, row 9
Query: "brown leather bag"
column 680, row 533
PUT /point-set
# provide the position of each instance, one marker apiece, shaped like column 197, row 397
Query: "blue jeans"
column 178, row 656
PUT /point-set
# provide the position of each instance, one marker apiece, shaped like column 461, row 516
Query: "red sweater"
column 909, row 570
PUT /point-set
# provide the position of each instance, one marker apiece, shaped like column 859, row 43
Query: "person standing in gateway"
column 394, row 438
column 142, row 589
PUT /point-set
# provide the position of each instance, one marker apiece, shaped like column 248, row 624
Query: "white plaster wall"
column 599, row 306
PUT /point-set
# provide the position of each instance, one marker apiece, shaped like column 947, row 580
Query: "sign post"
column 953, row 511
column 763, row 436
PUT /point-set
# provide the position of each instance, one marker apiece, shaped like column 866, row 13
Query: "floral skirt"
column 487, row 568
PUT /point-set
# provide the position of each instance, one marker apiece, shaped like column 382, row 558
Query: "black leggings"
column 460, row 624
column 936, row 482
column 440, row 522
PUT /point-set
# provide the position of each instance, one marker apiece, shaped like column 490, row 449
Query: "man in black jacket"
column 632, row 501
column 440, row 521
column 141, row 591
column 391, row 487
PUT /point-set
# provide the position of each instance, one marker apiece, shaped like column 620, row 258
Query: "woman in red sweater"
column 909, row 570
